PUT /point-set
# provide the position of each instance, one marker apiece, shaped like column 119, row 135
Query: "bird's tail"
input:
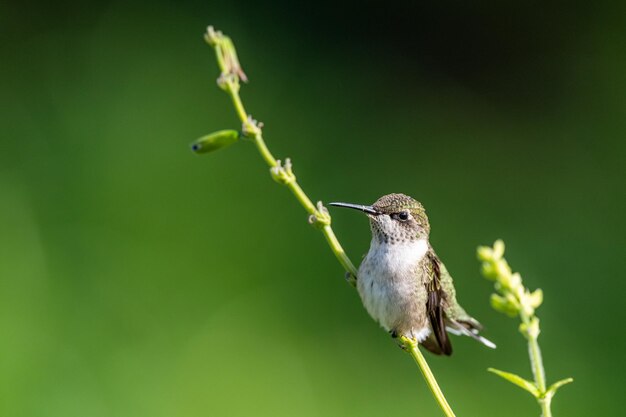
column 470, row 328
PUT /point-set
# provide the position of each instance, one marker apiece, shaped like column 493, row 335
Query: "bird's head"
column 395, row 218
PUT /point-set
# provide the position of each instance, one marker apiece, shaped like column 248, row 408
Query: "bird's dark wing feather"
column 434, row 304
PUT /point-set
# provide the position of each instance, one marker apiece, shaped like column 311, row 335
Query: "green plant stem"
column 241, row 112
column 229, row 82
column 545, row 403
column 338, row 250
column 428, row 376
column 513, row 299
column 536, row 364
column 257, row 138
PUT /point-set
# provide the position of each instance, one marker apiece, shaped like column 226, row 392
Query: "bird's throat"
column 398, row 257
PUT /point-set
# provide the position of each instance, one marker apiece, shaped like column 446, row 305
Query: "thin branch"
column 231, row 74
column 281, row 173
column 413, row 349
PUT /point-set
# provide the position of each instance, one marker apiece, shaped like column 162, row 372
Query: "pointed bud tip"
column 498, row 248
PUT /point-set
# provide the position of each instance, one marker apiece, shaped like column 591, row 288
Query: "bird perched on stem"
column 403, row 284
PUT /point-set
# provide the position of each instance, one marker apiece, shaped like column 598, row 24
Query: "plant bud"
column 215, row 141
column 536, row 298
column 488, row 271
column 485, row 253
column 498, row 248
column 530, row 330
column 504, row 305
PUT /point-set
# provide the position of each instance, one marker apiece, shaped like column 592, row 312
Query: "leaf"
column 519, row 381
column 552, row 390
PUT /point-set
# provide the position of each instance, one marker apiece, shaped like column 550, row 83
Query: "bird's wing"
column 457, row 321
column 434, row 303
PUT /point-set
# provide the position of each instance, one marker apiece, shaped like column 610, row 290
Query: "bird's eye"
column 403, row 215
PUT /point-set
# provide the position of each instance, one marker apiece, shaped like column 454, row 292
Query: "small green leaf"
column 518, row 380
column 215, row 141
column 552, row 390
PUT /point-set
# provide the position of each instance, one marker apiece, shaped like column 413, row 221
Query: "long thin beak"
column 364, row 209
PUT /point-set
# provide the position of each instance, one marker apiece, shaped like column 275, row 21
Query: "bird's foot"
column 405, row 343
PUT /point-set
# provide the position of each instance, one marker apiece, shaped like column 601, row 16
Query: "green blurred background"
column 137, row 279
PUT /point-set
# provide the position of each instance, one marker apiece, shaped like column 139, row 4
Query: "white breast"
column 387, row 281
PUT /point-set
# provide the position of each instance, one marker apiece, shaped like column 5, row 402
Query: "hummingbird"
column 403, row 284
